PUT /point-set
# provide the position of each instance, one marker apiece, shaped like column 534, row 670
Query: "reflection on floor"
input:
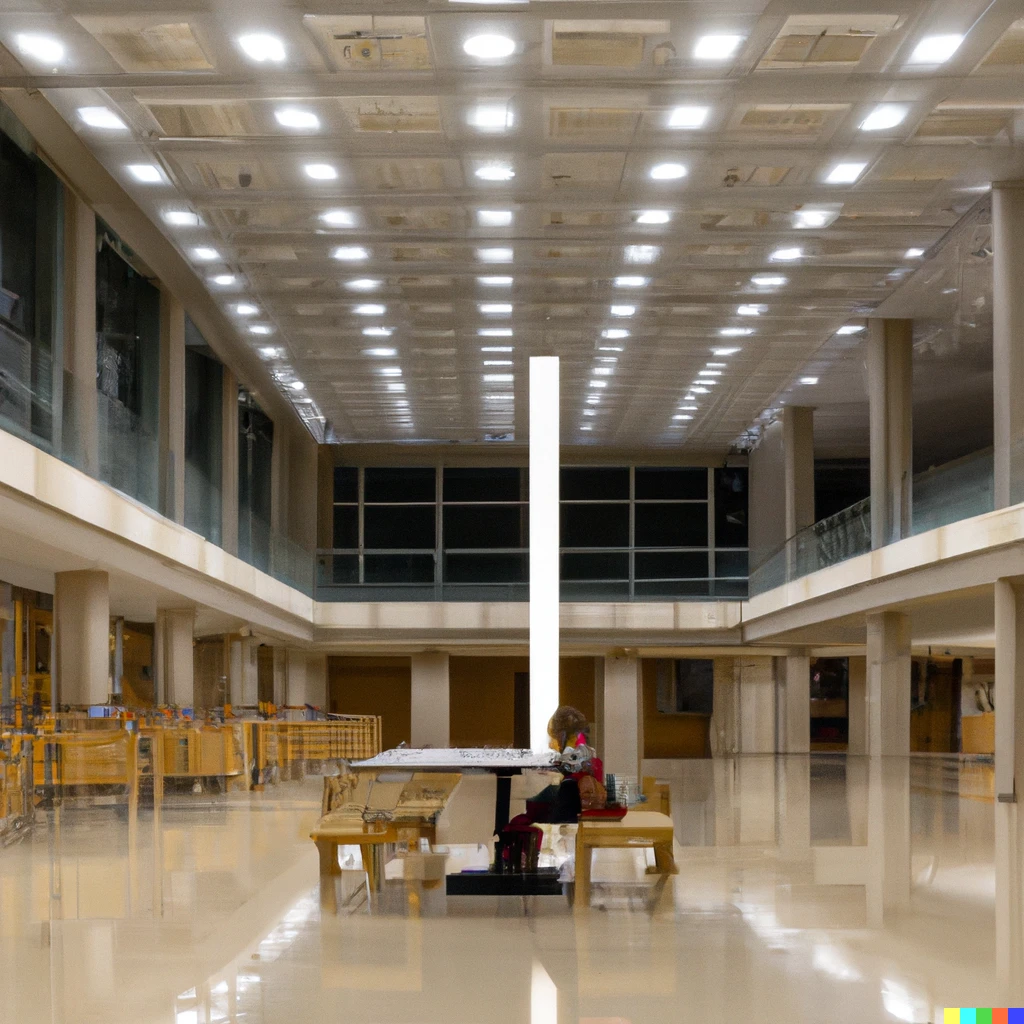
column 812, row 889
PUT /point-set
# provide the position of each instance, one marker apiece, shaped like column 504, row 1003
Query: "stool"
column 644, row 829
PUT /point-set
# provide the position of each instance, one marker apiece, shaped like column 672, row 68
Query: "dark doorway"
column 521, row 728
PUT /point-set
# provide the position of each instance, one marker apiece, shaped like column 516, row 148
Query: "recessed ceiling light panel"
column 489, row 46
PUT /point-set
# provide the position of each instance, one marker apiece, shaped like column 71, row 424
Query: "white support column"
column 890, row 370
column 623, row 715
column 798, row 445
column 757, row 706
column 81, row 617
column 857, row 707
column 174, row 649
column 795, row 703
column 172, row 407
column 1007, row 332
column 888, row 682
column 544, row 545
column 782, row 482
column 229, row 464
column 888, row 881
column 82, row 433
column 282, row 694
column 243, row 682
column 307, row 678
column 1009, row 688
column 430, row 702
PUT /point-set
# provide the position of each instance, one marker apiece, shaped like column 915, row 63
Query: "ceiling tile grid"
column 399, row 208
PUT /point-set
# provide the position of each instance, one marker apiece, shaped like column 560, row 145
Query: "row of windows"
column 387, row 485
column 626, row 531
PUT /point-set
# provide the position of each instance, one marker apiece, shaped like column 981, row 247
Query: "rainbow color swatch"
column 982, row 1015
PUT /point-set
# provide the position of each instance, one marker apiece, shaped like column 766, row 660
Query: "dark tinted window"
column 395, row 526
column 671, row 526
column 605, row 566
column 671, row 565
column 484, row 485
column 730, row 563
column 595, row 526
column 503, row 568
column 401, row 485
column 346, row 527
column 731, row 508
column 584, row 484
column 399, row 568
column 346, row 484
column 491, row 526
column 671, row 483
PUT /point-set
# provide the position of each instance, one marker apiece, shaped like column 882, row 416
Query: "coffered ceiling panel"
column 685, row 202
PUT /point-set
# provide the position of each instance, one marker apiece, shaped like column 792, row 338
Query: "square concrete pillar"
column 243, row 680
column 175, row 660
column 757, row 706
column 888, row 683
column 857, row 707
column 623, row 715
column 1007, row 331
column 430, row 721
column 794, row 695
column 81, row 618
column 1009, row 689
column 890, row 400
column 307, row 678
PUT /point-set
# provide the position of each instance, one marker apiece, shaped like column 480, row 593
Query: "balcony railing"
column 943, row 495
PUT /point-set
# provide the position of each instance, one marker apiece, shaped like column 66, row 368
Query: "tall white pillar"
column 172, row 407
column 857, row 707
column 430, row 703
column 174, row 651
column 888, row 682
column 81, row 617
column 544, row 545
column 890, row 369
column 794, row 673
column 1007, row 332
column 623, row 715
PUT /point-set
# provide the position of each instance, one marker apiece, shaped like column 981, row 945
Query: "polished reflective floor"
column 812, row 889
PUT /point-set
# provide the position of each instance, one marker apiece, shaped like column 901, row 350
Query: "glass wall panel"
column 400, row 485
column 671, row 565
column 399, row 568
column 481, row 485
column 255, row 462
column 614, row 546
column 594, row 484
column 731, row 508
column 204, row 396
column 491, row 568
column 399, row 526
column 127, row 372
column 31, row 261
column 490, row 526
column 668, row 483
column 671, row 525
column 595, row 526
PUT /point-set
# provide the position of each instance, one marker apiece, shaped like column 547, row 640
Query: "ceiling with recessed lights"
column 398, row 208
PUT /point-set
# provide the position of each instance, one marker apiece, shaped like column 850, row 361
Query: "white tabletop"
column 461, row 759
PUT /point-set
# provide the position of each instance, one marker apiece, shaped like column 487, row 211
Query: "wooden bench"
column 638, row 829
